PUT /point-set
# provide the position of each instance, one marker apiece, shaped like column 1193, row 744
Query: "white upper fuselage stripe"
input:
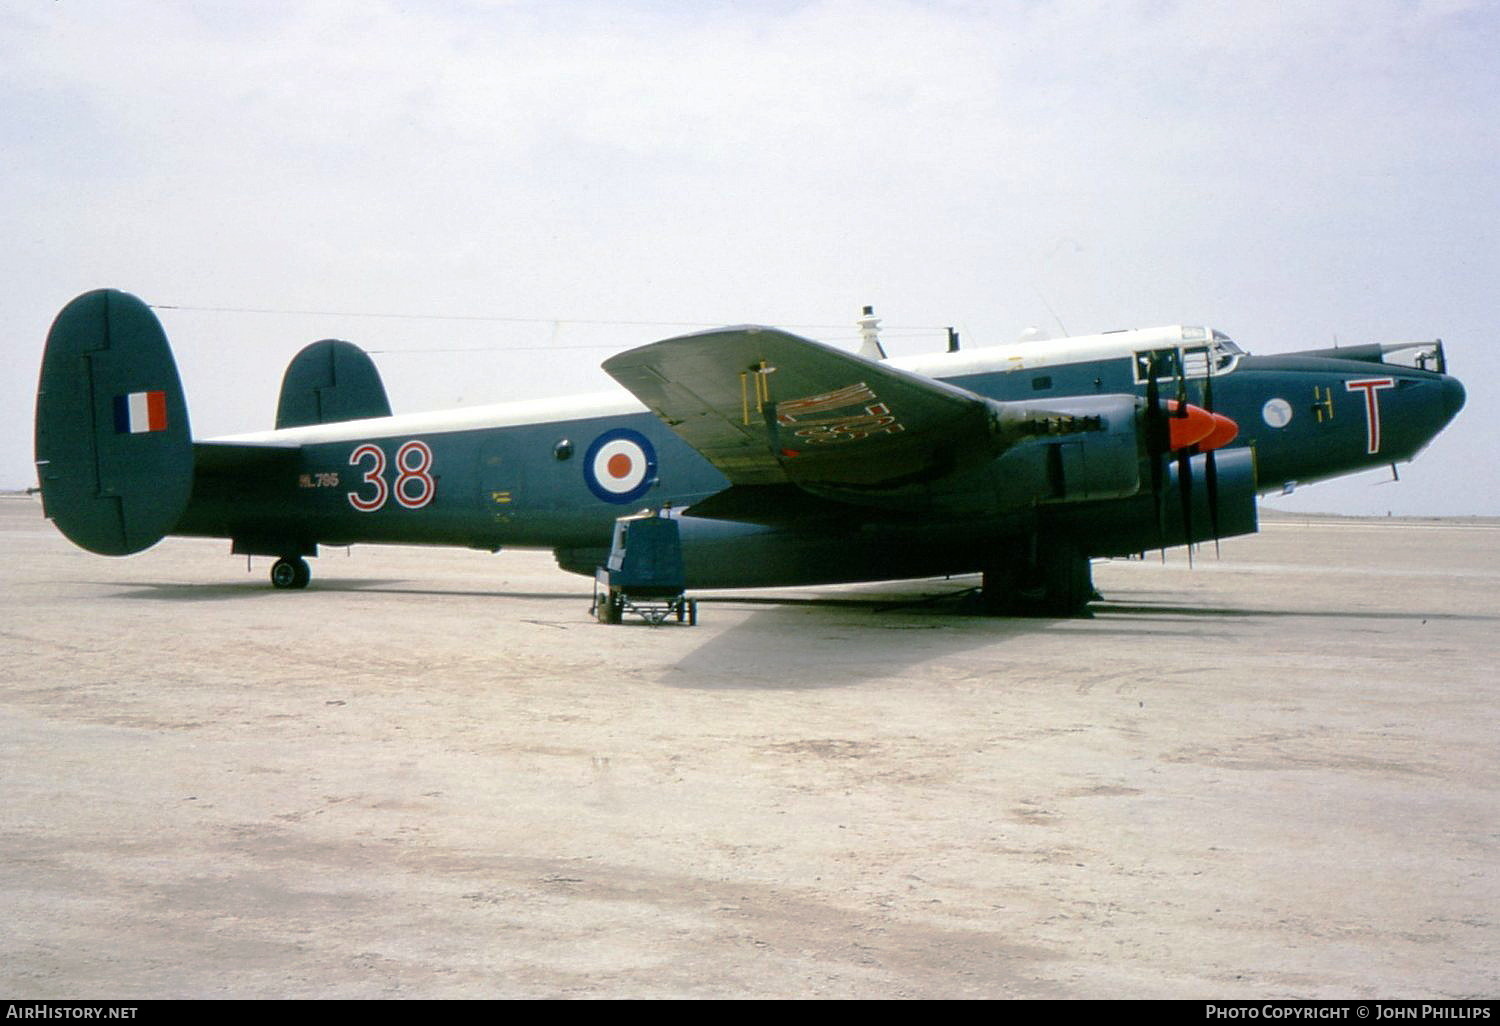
column 991, row 359
column 471, row 418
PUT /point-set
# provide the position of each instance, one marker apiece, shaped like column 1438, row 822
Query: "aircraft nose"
column 1453, row 396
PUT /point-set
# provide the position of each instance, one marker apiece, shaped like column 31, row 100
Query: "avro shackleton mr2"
column 785, row 461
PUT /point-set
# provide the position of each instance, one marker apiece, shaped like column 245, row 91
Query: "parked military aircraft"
column 784, row 460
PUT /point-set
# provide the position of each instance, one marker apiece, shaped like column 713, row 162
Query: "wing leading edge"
column 769, row 408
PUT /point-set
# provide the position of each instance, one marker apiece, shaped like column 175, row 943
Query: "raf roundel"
column 620, row 466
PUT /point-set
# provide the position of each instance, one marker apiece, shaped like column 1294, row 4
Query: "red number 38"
column 414, row 486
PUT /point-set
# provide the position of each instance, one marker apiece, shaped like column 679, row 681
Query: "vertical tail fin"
column 328, row 381
column 114, row 451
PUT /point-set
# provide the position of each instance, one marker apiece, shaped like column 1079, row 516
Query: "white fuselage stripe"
column 1021, row 356
column 472, row 418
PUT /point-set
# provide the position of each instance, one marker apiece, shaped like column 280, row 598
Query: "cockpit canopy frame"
column 1201, row 352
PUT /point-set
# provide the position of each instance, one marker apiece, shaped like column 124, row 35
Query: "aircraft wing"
column 770, row 408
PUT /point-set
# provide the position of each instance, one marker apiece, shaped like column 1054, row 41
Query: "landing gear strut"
column 290, row 572
column 1057, row 581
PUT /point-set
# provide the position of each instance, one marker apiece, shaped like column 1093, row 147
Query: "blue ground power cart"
column 644, row 573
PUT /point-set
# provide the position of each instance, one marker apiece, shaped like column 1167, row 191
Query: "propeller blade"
column 1156, row 449
column 1211, row 482
column 1224, row 432
column 1188, row 428
column 1185, row 486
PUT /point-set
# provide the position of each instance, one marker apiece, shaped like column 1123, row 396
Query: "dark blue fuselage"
column 1304, row 417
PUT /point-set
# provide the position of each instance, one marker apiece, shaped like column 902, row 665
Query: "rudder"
column 114, row 451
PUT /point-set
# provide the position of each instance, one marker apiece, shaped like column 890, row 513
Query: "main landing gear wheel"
column 1059, row 584
column 290, row 572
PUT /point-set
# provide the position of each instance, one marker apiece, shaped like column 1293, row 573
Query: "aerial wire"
column 497, row 318
column 556, row 323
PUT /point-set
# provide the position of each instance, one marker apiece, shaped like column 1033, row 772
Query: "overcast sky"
column 595, row 175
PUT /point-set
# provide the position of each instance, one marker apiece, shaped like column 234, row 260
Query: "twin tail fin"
column 114, row 451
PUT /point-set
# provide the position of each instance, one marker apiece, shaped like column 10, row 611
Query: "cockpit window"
column 1226, row 353
column 1157, row 363
column 1195, row 361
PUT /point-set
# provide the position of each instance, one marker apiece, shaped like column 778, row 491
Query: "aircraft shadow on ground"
column 253, row 589
column 958, row 604
column 1165, row 610
column 805, row 643
column 813, row 642
column 843, row 640
column 785, row 641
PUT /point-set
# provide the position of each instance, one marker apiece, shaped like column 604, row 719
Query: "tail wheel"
column 290, row 573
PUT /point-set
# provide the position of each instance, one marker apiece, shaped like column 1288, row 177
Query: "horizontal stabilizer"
column 237, row 458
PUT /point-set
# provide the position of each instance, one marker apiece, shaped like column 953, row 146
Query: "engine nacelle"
column 1149, row 522
column 1101, row 461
